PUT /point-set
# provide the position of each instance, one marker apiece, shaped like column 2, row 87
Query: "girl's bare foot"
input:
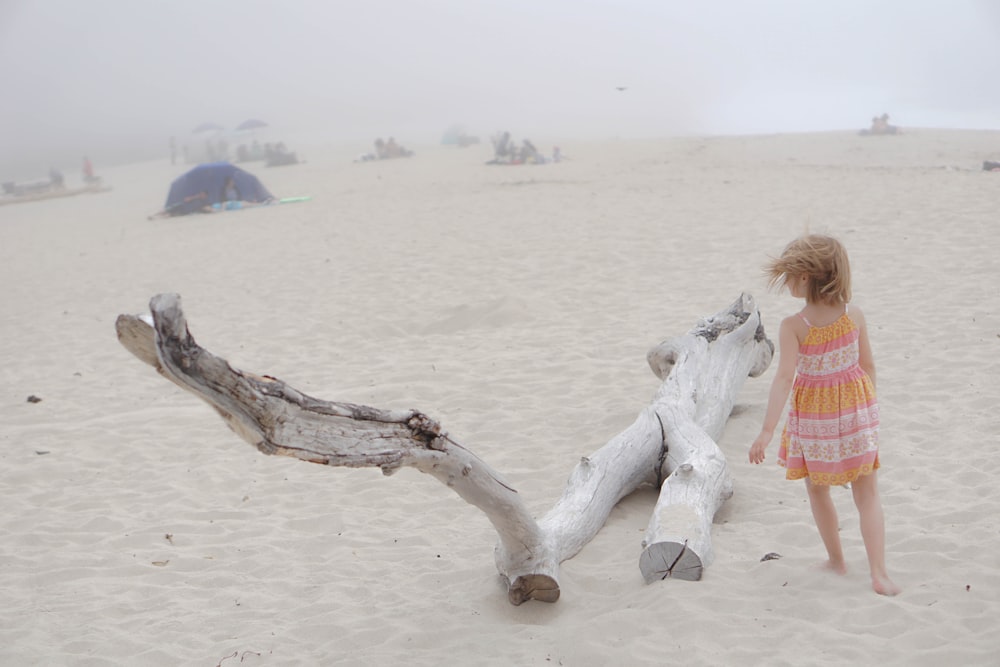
column 839, row 567
column 883, row 585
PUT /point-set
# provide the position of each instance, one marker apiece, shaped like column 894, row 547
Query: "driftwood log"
column 671, row 443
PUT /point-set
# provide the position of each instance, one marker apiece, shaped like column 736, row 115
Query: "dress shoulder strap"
column 805, row 319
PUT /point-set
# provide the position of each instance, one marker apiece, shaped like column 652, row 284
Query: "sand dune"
column 515, row 305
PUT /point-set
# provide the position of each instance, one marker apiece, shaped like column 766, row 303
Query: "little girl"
column 831, row 436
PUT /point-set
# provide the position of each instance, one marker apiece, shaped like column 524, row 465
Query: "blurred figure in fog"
column 88, row 171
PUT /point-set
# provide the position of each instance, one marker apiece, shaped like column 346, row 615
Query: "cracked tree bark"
column 672, row 439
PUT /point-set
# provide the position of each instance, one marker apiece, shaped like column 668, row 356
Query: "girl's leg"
column 825, row 515
column 866, row 498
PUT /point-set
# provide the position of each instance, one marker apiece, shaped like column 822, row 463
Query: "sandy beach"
column 516, row 306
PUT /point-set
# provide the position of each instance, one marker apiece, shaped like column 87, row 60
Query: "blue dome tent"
column 205, row 185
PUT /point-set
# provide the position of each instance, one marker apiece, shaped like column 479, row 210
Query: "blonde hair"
column 823, row 260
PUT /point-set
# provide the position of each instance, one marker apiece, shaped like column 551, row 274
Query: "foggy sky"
column 102, row 76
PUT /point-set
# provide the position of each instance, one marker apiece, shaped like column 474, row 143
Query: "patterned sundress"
column 831, row 435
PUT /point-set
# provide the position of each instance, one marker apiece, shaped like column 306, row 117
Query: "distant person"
column 386, row 150
column 232, row 199
column 280, row 156
column 502, row 146
column 229, row 191
column 880, row 125
column 885, row 126
column 88, row 171
column 392, row 149
column 529, row 153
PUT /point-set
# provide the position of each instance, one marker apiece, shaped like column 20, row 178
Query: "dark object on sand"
column 880, row 126
column 991, row 165
column 207, row 185
column 770, row 556
column 14, row 193
column 34, row 399
column 278, row 156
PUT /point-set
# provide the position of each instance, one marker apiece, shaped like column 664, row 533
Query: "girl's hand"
column 759, row 446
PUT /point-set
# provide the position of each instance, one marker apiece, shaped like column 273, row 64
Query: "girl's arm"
column 865, row 357
column 781, row 386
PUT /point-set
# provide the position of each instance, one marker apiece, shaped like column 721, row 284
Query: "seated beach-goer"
column 880, row 125
column 503, row 149
column 392, row 149
column 530, row 154
column 386, row 150
column 230, row 192
column 280, row 156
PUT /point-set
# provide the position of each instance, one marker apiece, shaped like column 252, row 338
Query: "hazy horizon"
column 113, row 79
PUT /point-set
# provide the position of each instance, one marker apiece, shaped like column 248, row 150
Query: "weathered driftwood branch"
column 702, row 372
column 277, row 419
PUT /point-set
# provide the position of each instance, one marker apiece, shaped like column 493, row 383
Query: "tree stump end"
column 670, row 560
column 539, row 587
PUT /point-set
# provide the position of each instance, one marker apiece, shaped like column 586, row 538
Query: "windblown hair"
column 823, row 260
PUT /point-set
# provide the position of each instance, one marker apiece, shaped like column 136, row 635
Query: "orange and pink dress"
column 831, row 435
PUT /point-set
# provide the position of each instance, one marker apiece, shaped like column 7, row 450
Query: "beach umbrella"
column 251, row 124
column 207, row 127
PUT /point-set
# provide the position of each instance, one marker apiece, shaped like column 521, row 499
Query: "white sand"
column 515, row 305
